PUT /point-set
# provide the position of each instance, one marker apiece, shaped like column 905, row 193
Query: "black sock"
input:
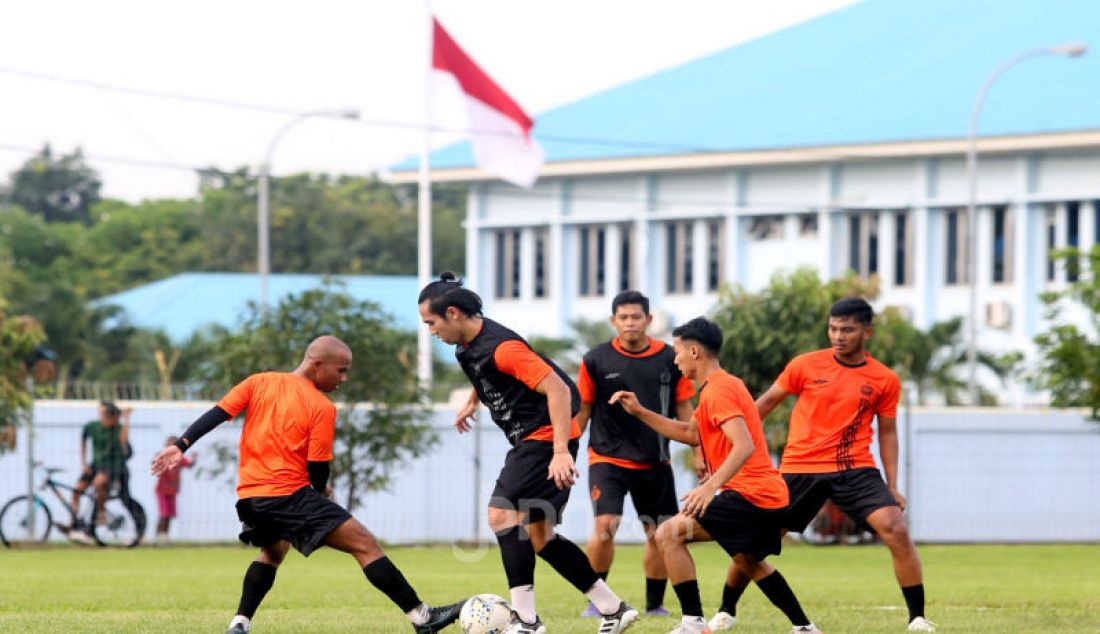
column 603, row 575
column 730, row 597
column 914, row 600
column 775, row 587
column 258, row 579
column 518, row 556
column 569, row 561
column 386, row 577
column 654, row 593
column 688, row 594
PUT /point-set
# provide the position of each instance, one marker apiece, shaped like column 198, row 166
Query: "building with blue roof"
column 837, row 144
column 183, row 304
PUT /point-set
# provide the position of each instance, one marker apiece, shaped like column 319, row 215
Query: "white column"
column 643, row 279
column 526, row 264
column 613, row 249
column 1060, row 243
column 700, row 248
column 829, row 243
column 887, row 240
column 1025, row 277
column 558, row 269
column 927, row 251
column 739, row 193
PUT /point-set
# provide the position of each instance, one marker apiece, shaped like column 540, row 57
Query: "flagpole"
column 424, row 216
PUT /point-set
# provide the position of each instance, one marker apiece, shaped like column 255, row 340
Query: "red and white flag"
column 499, row 129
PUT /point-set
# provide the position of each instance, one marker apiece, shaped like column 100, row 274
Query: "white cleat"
column 805, row 629
column 721, row 622
column 921, row 624
column 691, row 625
column 619, row 621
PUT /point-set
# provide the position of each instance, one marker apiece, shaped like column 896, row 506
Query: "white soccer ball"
column 484, row 614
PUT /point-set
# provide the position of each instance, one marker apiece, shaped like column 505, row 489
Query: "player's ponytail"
column 448, row 291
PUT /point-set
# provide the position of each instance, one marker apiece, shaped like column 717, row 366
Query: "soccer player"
column 625, row 456
column 740, row 504
column 533, row 402
column 841, row 390
column 285, row 451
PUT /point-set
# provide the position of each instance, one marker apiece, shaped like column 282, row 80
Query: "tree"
column 381, row 421
column 765, row 330
column 930, row 360
column 19, row 335
column 58, row 189
column 1069, row 364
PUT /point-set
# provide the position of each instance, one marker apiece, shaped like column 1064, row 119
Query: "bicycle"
column 121, row 522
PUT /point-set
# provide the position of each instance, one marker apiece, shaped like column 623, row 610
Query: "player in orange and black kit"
column 742, row 501
column 841, row 390
column 283, row 491
column 533, row 402
column 625, row 456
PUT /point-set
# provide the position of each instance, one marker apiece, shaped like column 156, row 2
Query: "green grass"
column 843, row 589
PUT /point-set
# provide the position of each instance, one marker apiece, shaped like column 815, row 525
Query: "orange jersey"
column 831, row 423
column 722, row 398
column 519, row 361
column 288, row 423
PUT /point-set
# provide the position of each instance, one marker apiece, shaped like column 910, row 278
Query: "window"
column 807, row 225
column 903, row 249
column 1002, row 245
column 1052, row 240
column 1073, row 240
column 716, row 241
column 766, row 228
column 507, row 264
column 863, row 243
column 626, row 259
column 542, row 244
column 955, row 247
column 678, row 261
column 593, row 246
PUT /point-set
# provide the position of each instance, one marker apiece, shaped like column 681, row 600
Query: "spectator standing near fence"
column 168, row 487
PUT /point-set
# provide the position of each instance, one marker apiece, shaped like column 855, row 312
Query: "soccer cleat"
column 721, row 622
column 237, row 628
column 590, row 611
column 618, row 621
column 657, row 611
column 691, row 625
column 439, row 618
column 805, row 629
column 81, row 537
column 921, row 624
column 517, row 626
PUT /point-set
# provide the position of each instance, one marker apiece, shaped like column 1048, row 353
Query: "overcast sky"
column 321, row 54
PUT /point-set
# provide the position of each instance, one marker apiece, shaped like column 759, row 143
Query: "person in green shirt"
column 110, row 450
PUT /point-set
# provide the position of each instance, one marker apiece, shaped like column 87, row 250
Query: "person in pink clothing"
column 168, row 487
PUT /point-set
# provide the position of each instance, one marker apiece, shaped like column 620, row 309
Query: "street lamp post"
column 263, row 214
column 1070, row 49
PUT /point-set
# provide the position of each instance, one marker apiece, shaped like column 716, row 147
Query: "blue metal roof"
column 878, row 71
column 182, row 304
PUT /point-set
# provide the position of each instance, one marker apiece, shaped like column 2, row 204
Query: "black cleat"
column 439, row 618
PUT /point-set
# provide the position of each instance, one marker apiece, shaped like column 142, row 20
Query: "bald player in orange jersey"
column 284, row 495
column 841, row 390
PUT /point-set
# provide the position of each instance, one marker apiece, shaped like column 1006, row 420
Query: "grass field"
column 844, row 589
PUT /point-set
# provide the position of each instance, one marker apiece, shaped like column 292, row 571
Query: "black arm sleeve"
column 212, row 418
column 318, row 474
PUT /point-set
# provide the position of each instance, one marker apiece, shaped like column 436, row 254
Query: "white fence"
column 973, row 476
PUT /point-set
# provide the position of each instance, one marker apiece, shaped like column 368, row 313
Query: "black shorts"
column 741, row 527
column 303, row 518
column 652, row 490
column 523, row 486
column 857, row 492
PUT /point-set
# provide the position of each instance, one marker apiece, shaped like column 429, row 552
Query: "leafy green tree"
column 931, row 360
column 19, row 335
column 57, row 188
column 382, row 423
column 1069, row 363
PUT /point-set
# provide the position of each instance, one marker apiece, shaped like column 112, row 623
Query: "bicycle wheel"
column 121, row 524
column 16, row 520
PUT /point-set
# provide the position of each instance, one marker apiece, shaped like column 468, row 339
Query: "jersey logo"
column 613, row 375
column 867, row 390
column 819, row 381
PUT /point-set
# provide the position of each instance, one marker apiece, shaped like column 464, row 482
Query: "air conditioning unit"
column 998, row 315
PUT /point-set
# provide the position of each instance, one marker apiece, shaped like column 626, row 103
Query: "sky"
column 324, row 55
